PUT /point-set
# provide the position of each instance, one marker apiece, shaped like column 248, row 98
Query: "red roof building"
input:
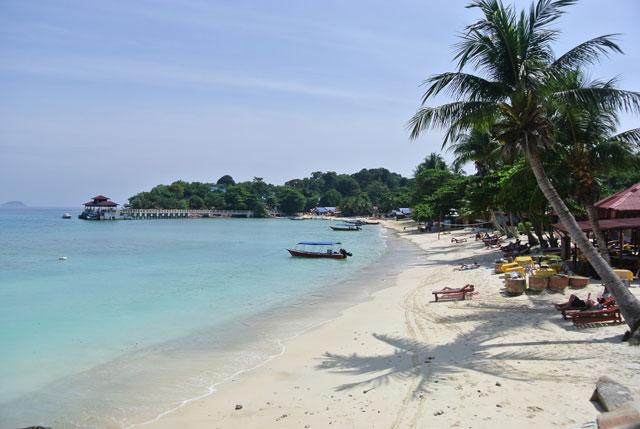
column 619, row 220
column 100, row 201
column 622, row 204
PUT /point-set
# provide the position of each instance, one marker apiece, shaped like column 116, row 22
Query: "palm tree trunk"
column 494, row 219
column 511, row 229
column 629, row 304
column 592, row 213
column 539, row 231
column 530, row 237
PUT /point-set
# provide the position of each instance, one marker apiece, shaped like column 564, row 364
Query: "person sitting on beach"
column 575, row 303
column 465, row 267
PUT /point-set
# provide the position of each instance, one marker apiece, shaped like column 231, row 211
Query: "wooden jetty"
column 137, row 214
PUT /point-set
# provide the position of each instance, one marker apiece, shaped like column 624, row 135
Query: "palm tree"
column 591, row 150
column 433, row 161
column 478, row 147
column 513, row 93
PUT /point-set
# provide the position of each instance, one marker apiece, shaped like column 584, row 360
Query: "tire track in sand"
column 416, row 323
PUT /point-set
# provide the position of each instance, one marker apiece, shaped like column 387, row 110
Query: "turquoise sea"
column 143, row 315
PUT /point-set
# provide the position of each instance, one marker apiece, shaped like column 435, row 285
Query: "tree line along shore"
column 435, row 187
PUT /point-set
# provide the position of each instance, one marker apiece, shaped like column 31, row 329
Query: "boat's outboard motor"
column 345, row 253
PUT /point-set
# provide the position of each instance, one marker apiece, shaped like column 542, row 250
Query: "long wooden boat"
column 346, row 228
column 306, row 249
column 357, row 222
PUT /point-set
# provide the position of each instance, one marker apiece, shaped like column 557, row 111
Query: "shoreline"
column 400, row 360
column 259, row 336
column 334, row 299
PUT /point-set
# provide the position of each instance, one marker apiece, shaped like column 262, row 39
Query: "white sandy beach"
column 400, row 360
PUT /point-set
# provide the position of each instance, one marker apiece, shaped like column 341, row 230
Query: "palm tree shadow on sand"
column 420, row 362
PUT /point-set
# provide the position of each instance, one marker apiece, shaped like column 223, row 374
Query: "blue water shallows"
column 128, row 287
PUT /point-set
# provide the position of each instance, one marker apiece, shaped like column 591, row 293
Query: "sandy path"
column 403, row 361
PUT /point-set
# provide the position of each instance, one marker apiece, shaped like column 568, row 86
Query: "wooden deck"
column 181, row 214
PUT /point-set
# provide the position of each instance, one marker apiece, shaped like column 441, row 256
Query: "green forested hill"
column 360, row 193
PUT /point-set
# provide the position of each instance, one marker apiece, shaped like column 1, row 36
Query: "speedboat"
column 318, row 249
column 66, row 216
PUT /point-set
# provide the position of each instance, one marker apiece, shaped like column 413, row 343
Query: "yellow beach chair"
column 625, row 275
column 524, row 261
column 508, row 265
column 545, row 272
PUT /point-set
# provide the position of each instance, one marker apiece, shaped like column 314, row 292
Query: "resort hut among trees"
column 326, row 211
column 99, row 208
column 623, row 204
column 619, row 221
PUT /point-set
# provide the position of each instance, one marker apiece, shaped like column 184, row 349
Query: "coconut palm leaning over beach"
column 590, row 148
column 515, row 93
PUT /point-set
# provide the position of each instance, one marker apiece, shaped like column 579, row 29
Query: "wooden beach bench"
column 609, row 314
column 460, row 293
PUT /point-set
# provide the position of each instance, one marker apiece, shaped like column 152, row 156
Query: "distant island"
column 13, row 205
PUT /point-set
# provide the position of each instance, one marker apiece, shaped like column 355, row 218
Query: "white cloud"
column 159, row 74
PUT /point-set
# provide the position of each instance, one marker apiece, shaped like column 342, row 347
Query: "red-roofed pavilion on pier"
column 99, row 208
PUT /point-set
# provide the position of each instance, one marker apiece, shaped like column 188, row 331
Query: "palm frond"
column 585, row 53
column 463, row 85
column 610, row 155
column 544, row 12
column 452, row 116
column 629, row 137
column 605, row 97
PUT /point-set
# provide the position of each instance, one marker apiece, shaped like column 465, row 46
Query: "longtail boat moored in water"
column 322, row 249
column 345, row 228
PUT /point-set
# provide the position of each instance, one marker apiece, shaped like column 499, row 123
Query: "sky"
column 114, row 97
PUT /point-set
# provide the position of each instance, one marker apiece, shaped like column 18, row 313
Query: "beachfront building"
column 619, row 220
column 401, row 213
column 326, row 211
column 99, row 208
column 623, row 204
column 219, row 188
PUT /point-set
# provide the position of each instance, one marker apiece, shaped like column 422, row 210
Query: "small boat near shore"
column 321, row 249
column 345, row 228
column 357, row 222
column 297, row 218
column 66, row 216
column 361, row 222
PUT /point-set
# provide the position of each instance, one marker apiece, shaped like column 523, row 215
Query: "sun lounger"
column 609, row 314
column 458, row 240
column 454, row 293
column 574, row 305
column 491, row 242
